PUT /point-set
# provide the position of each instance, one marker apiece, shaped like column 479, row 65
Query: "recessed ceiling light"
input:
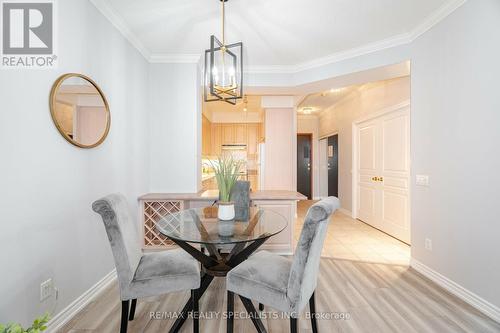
column 307, row 110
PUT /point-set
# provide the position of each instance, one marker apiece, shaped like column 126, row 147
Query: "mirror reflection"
column 80, row 110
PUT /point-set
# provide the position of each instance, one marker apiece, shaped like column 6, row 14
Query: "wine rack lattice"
column 154, row 211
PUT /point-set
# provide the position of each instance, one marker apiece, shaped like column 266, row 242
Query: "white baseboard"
column 71, row 310
column 467, row 296
column 345, row 211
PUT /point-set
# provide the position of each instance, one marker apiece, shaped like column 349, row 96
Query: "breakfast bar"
column 155, row 206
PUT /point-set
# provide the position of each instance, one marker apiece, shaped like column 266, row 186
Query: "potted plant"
column 39, row 325
column 226, row 171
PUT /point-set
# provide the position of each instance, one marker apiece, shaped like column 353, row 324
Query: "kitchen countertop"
column 207, row 176
column 212, row 195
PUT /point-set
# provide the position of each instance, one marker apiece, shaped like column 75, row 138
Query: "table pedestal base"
column 214, row 265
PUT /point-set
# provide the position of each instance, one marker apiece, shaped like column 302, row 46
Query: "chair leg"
column 124, row 321
column 261, row 307
column 230, row 312
column 293, row 325
column 254, row 316
column 196, row 315
column 132, row 310
column 312, row 312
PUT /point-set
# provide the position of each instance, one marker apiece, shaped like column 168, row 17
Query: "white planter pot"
column 226, row 211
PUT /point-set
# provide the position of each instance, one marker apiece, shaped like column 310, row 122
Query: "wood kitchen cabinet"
column 252, row 139
column 216, row 142
column 206, row 149
column 240, row 134
column 229, row 134
column 254, row 182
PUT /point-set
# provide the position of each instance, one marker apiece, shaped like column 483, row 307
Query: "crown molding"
column 119, row 23
column 436, row 17
column 174, row 58
column 402, row 39
column 333, row 58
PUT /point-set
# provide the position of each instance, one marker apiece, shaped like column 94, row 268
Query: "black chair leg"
column 124, row 321
column 312, row 312
column 254, row 316
column 293, row 325
column 132, row 310
column 230, row 312
column 261, row 307
column 196, row 315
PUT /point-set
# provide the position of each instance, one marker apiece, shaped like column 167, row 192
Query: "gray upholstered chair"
column 143, row 275
column 240, row 195
column 284, row 284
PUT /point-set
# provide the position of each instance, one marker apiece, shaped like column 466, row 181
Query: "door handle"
column 378, row 179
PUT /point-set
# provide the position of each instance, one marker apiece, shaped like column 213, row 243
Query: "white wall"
column 370, row 98
column 310, row 125
column 175, row 128
column 48, row 229
column 455, row 139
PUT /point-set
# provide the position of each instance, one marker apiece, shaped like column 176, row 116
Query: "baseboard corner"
column 345, row 211
column 454, row 288
column 66, row 314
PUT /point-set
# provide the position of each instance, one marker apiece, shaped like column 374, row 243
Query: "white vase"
column 226, row 211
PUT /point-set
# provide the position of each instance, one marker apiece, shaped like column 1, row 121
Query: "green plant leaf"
column 226, row 172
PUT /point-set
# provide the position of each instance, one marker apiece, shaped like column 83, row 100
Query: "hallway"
column 354, row 240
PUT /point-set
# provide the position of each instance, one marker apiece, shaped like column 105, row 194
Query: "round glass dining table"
column 228, row 243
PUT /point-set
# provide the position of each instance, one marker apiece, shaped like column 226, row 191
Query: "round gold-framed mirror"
column 80, row 110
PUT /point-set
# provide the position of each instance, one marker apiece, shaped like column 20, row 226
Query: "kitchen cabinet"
column 282, row 242
column 216, row 142
column 155, row 206
column 240, row 134
column 254, row 182
column 252, row 140
column 228, row 134
column 206, row 149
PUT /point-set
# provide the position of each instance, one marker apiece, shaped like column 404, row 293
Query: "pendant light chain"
column 223, row 22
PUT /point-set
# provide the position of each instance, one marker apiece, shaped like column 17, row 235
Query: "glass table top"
column 201, row 225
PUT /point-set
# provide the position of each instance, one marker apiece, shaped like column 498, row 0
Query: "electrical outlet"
column 46, row 289
column 422, row 180
column 428, row 244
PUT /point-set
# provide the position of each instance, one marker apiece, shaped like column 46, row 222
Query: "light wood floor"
column 364, row 275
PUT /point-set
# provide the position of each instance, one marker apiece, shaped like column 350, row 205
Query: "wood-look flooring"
column 364, row 275
column 375, row 297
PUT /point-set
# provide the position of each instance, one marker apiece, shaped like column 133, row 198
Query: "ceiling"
column 317, row 102
column 274, row 32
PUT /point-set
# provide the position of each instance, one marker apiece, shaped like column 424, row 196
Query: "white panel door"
column 384, row 173
column 368, row 166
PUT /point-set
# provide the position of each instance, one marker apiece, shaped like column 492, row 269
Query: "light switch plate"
column 428, row 244
column 423, row 180
column 46, row 289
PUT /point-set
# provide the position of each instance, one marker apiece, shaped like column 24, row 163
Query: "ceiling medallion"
column 223, row 68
